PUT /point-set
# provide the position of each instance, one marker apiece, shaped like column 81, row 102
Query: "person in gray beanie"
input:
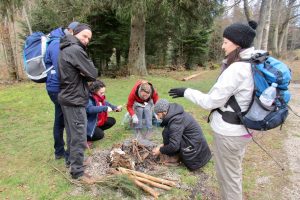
column 182, row 136
column 235, row 81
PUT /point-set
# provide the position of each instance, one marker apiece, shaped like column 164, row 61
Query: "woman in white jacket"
column 230, row 139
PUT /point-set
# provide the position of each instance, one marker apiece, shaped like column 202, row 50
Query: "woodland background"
column 132, row 36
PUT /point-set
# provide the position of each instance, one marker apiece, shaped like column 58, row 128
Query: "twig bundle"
column 141, row 179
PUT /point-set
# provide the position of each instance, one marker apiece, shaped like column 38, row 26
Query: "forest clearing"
column 206, row 52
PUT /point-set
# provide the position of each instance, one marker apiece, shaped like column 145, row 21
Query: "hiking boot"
column 165, row 159
column 86, row 179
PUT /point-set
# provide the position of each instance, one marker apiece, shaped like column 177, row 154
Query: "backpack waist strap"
column 230, row 117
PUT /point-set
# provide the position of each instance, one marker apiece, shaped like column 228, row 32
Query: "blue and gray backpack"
column 265, row 70
column 33, row 55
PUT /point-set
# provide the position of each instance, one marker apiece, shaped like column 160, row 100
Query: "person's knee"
column 112, row 121
column 101, row 136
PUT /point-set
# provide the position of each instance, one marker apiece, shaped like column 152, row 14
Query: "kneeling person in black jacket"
column 182, row 135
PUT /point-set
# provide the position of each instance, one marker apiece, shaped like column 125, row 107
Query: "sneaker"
column 86, row 179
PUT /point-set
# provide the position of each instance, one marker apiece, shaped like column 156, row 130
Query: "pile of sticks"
column 139, row 151
column 144, row 181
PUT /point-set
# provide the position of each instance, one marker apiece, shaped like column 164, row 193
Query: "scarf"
column 102, row 116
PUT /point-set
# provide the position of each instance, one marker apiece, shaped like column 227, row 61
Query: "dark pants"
column 76, row 125
column 99, row 131
column 58, row 128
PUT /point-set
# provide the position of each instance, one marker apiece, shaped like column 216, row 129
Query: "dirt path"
column 292, row 146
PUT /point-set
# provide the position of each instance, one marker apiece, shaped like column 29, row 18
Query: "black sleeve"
column 85, row 65
column 176, row 129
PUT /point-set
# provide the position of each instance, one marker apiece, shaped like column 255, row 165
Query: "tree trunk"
column 265, row 38
column 284, row 29
column 16, row 47
column 278, row 5
column 261, row 24
column 27, row 20
column 294, row 39
column 136, row 57
column 12, row 69
column 247, row 10
column 118, row 58
column 283, row 38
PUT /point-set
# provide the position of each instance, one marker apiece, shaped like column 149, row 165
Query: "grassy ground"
column 26, row 144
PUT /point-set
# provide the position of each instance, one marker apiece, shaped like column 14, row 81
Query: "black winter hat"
column 81, row 27
column 241, row 34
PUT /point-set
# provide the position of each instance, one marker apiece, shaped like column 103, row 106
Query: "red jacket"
column 133, row 96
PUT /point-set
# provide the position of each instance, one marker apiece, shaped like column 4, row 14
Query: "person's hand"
column 156, row 151
column 135, row 119
column 109, row 109
column 176, row 92
column 119, row 108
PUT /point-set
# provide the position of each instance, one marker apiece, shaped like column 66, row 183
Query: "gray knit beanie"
column 73, row 25
column 162, row 105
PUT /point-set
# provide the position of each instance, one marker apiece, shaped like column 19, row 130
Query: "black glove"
column 177, row 92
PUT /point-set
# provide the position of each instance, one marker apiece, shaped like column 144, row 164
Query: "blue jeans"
column 58, row 128
column 143, row 112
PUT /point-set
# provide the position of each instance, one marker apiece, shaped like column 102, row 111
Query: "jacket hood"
column 70, row 40
column 174, row 109
column 57, row 33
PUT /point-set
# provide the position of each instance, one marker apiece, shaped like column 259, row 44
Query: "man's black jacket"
column 183, row 135
column 75, row 70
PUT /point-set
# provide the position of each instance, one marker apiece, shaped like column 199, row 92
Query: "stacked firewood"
column 132, row 155
column 145, row 181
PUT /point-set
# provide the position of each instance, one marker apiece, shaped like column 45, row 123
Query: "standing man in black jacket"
column 76, row 69
column 182, row 135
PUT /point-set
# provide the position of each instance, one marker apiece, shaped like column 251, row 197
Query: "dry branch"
column 152, row 178
column 152, row 183
column 146, row 188
column 191, row 76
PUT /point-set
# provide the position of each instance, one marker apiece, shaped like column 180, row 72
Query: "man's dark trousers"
column 58, row 128
column 76, row 127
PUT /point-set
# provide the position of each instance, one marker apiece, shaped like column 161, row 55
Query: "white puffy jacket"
column 236, row 80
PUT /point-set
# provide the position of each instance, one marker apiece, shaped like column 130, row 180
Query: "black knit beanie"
column 81, row 27
column 241, row 34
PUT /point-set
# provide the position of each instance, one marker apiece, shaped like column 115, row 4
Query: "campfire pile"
column 133, row 155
